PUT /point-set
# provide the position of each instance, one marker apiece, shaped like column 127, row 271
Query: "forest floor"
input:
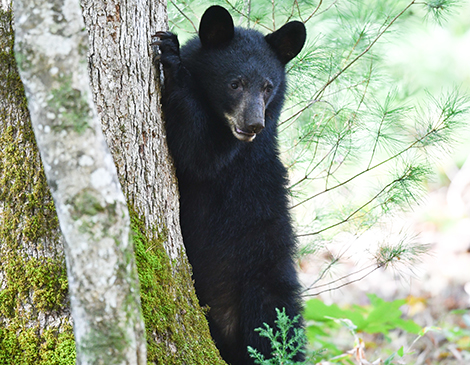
column 437, row 289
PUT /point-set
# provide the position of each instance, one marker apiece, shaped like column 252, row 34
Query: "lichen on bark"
column 126, row 92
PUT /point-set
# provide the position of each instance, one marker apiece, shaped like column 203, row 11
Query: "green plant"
column 325, row 323
column 286, row 341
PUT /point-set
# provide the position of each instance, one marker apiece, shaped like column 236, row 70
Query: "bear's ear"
column 288, row 40
column 216, row 28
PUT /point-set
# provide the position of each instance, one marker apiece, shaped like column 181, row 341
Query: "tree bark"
column 127, row 96
column 125, row 90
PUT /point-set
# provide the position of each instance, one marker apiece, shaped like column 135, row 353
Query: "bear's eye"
column 234, row 85
column 268, row 89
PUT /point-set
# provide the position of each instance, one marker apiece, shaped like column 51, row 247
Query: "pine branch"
column 314, row 12
column 247, row 16
column 313, row 286
column 353, row 214
column 338, row 74
column 449, row 110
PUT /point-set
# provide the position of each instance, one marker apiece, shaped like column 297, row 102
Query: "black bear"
column 222, row 96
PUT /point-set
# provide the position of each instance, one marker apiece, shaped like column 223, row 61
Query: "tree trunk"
column 126, row 95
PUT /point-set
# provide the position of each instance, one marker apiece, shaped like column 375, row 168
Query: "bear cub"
column 221, row 98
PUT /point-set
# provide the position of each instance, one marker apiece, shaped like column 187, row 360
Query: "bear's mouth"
column 238, row 132
column 243, row 135
column 251, row 134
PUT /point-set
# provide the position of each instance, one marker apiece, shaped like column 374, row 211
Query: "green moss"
column 70, row 107
column 163, row 314
column 21, row 345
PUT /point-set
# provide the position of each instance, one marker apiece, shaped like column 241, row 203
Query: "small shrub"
column 286, row 341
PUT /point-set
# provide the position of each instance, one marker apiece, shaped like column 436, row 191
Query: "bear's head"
column 243, row 72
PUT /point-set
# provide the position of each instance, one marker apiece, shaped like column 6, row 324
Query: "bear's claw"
column 168, row 48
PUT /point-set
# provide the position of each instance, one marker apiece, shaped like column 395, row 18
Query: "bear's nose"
column 255, row 126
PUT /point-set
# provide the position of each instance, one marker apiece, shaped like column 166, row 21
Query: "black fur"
column 222, row 97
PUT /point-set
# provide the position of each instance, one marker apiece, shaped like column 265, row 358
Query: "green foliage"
column 459, row 335
column 326, row 321
column 286, row 341
column 380, row 317
column 440, row 9
column 453, row 333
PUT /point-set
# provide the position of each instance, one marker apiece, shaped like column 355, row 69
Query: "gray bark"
column 126, row 93
column 126, row 90
column 51, row 47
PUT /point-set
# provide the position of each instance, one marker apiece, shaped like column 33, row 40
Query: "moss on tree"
column 173, row 319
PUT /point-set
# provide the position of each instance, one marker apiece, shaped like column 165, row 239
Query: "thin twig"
column 367, row 86
column 326, row 9
column 177, row 25
column 296, row 115
column 353, row 48
column 336, row 146
column 273, row 16
column 291, row 12
column 182, row 13
column 248, row 12
column 376, row 142
column 322, row 274
column 342, row 285
column 247, row 17
column 298, row 10
column 313, row 159
column 337, row 91
column 313, row 286
column 316, row 9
